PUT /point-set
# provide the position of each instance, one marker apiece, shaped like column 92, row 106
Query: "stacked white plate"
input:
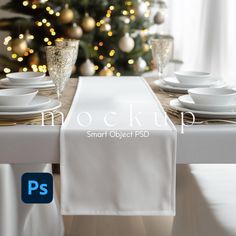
column 22, row 103
column 207, row 102
column 35, row 80
column 184, row 80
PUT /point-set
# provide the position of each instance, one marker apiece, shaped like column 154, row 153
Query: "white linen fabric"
column 205, row 35
column 19, row 219
column 112, row 176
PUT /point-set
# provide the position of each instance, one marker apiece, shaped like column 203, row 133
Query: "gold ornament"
column 19, row 46
column 34, row 59
column 88, row 23
column 66, row 15
column 106, row 72
column 74, row 32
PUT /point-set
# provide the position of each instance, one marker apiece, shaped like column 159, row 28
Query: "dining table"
column 196, row 144
column 31, row 146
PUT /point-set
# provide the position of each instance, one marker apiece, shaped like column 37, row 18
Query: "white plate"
column 190, row 77
column 38, row 102
column 25, row 77
column 53, row 105
column 176, row 105
column 188, row 102
column 5, row 83
column 175, row 83
column 166, row 87
column 44, row 81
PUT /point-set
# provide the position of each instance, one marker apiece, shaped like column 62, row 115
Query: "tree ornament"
column 87, row 68
column 74, row 32
column 19, row 46
column 140, row 65
column 66, row 15
column 105, row 27
column 34, row 59
column 88, row 23
column 106, row 72
column 159, row 18
column 140, row 8
column 126, row 43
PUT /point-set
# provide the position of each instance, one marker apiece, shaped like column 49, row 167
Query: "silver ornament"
column 140, row 65
column 126, row 43
column 87, row 68
column 159, row 18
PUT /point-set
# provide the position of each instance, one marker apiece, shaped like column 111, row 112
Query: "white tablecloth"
column 107, row 175
column 19, row 219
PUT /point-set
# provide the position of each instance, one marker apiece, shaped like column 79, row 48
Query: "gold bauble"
column 88, row 23
column 106, row 72
column 19, row 46
column 66, row 15
column 74, row 32
column 34, row 59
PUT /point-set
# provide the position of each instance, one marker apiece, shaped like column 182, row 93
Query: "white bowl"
column 17, row 96
column 213, row 96
column 193, row 77
column 25, row 77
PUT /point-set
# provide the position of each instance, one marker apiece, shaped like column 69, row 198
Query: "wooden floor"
column 115, row 225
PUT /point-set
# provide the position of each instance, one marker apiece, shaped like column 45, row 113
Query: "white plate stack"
column 19, row 99
column 35, row 80
column 184, row 80
column 207, row 102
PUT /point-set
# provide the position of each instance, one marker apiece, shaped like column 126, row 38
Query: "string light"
column 131, row 61
column 118, row 74
column 7, row 70
column 25, row 3
column 112, row 53
column 101, row 57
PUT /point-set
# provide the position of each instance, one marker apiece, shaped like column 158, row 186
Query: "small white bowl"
column 213, row 96
column 25, row 77
column 17, row 96
column 193, row 77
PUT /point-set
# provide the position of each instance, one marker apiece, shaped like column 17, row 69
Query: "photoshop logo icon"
column 37, row 188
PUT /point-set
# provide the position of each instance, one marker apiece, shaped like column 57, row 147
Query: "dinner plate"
column 5, row 83
column 168, row 88
column 188, row 102
column 44, row 81
column 173, row 81
column 37, row 102
column 176, row 105
column 17, row 115
column 25, row 77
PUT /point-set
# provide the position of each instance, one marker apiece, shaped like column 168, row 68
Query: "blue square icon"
column 37, row 188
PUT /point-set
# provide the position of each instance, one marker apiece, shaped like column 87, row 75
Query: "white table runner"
column 104, row 174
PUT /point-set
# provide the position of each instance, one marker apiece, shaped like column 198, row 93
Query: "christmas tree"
column 113, row 34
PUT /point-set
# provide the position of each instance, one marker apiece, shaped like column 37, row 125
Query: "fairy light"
column 108, row 65
column 34, row 6
column 7, row 70
column 25, row 3
column 98, row 24
column 118, row 74
column 14, row 56
column 49, row 43
column 131, row 61
column 9, row 49
column 132, row 11
column 57, row 14
column 21, row 36
column 48, row 24
column 20, row 59
column 101, row 57
column 26, row 54
column 96, row 67
column 95, row 48
column 100, row 44
column 112, row 8
column 44, row 21
column 25, row 69
column 110, row 33
column 125, row 13
column 112, row 53
column 51, row 12
column 31, row 51
column 46, row 40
